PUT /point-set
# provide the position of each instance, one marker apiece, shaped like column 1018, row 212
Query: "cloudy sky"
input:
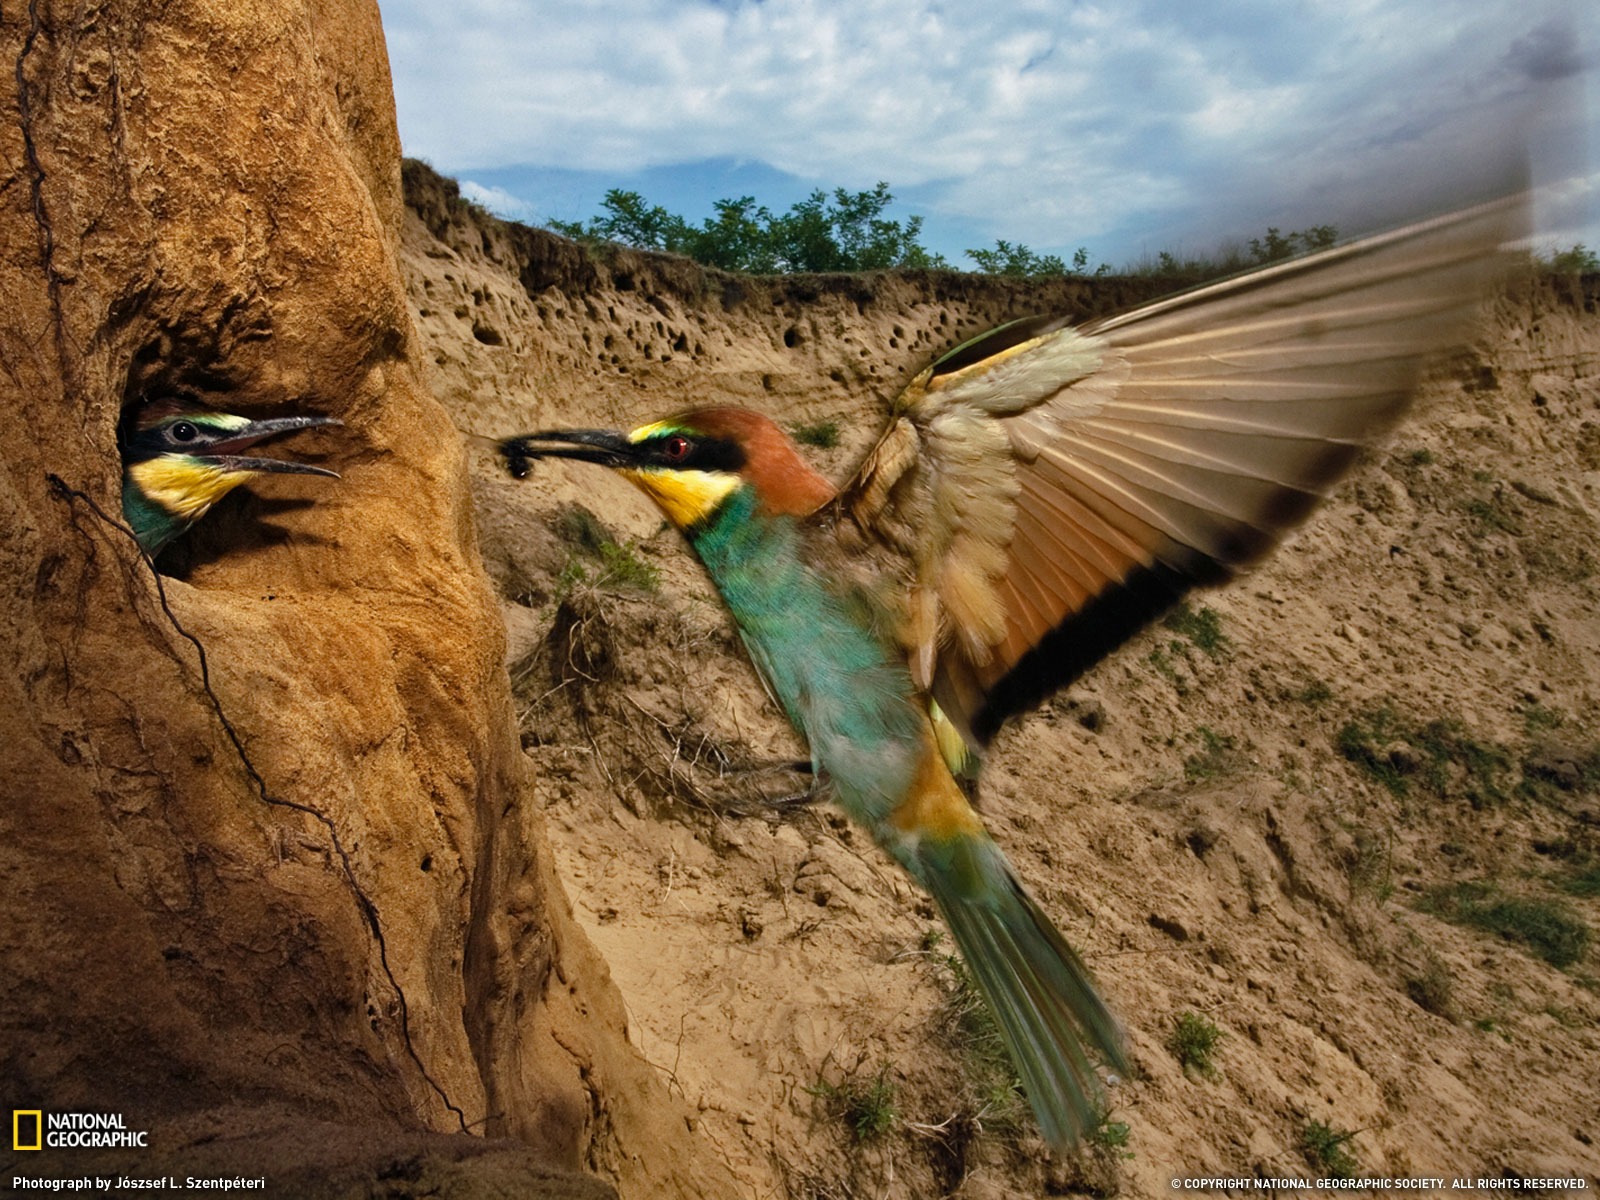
column 1126, row 126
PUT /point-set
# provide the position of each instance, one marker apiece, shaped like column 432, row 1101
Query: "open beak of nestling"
column 600, row 446
column 224, row 450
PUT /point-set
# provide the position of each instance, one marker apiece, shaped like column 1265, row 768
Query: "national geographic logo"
column 27, row 1129
column 35, row 1129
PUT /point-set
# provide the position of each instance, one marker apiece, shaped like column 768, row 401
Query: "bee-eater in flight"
column 1040, row 494
column 177, row 462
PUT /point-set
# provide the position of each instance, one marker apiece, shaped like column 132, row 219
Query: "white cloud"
column 1038, row 120
column 499, row 201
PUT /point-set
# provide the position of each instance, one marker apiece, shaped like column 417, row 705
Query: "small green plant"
column 1328, row 1150
column 1441, row 755
column 1494, row 1025
column 1162, row 663
column 1584, row 881
column 1537, row 719
column 1202, row 627
column 1193, row 1041
column 1552, row 930
column 622, row 566
column 867, row 1109
column 1420, row 457
column 1112, row 1135
column 822, row 434
column 1215, row 757
column 1481, row 766
column 1365, row 740
column 1314, row 693
column 1493, row 515
column 1371, row 865
column 610, row 564
column 1080, row 264
column 571, row 577
column 1549, row 928
column 619, row 567
column 870, row 1111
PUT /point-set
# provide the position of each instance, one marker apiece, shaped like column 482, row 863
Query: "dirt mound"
column 286, row 907
column 1328, row 837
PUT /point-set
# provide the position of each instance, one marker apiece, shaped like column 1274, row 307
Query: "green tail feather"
column 1037, row 987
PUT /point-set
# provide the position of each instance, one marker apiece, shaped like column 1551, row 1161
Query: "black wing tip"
column 1090, row 634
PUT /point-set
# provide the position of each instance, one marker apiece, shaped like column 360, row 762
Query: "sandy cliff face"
column 1265, row 815
column 288, row 906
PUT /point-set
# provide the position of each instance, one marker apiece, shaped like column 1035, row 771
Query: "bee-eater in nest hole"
column 177, row 462
column 1041, row 493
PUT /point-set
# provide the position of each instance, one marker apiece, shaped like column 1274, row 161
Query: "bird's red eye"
column 675, row 448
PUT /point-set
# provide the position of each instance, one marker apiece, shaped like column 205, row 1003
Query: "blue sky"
column 1127, row 126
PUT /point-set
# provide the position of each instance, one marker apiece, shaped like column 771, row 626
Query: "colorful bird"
column 177, row 463
column 1040, row 494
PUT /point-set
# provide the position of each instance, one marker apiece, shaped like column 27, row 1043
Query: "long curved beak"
column 223, row 453
column 267, row 466
column 602, row 446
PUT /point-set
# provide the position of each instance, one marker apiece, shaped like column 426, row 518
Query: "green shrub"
column 1328, row 1150
column 1016, row 260
column 1440, row 754
column 867, row 1109
column 1112, row 1135
column 621, row 566
column 1549, row 928
column 845, row 231
column 1215, row 757
column 1203, row 628
column 822, row 434
column 1193, row 1041
column 1584, row 881
column 1314, row 693
column 1579, row 260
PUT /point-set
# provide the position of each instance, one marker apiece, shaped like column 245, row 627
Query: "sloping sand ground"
column 1264, row 815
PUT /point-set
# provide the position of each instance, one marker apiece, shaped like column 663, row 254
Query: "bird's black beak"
column 223, row 452
column 600, row 446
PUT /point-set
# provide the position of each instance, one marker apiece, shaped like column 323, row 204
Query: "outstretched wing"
column 1053, row 489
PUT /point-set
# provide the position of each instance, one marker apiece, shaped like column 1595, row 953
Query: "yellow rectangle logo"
column 27, row 1128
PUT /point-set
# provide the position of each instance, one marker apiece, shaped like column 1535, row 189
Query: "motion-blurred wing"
column 1053, row 489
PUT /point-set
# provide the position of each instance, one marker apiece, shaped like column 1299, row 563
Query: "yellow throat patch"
column 687, row 497
column 184, row 486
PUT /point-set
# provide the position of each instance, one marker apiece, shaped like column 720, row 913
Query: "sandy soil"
column 1264, row 816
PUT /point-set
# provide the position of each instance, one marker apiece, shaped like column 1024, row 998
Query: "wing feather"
column 1050, row 490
